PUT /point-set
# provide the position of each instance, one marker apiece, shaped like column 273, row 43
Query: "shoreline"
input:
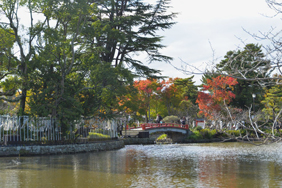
column 147, row 141
column 36, row 150
column 41, row 150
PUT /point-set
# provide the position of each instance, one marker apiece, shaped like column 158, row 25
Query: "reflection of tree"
column 213, row 173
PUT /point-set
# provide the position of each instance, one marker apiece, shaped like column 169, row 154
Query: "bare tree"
column 265, row 70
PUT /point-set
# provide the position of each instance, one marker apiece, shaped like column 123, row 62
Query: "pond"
column 176, row 165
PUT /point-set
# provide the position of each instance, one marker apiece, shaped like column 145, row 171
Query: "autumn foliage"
column 168, row 97
column 217, row 92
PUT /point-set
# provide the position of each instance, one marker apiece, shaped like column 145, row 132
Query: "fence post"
column 17, row 130
column 36, row 130
column 48, row 132
column 53, row 127
column 13, row 129
column 9, row 131
column 1, row 127
column 30, row 128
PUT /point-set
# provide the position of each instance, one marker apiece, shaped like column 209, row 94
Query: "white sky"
column 220, row 23
column 205, row 23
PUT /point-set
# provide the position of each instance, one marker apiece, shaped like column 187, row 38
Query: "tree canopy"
column 78, row 57
column 249, row 63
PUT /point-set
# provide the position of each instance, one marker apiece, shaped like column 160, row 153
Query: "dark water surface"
column 190, row 165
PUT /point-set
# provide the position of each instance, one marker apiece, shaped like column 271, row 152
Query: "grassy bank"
column 198, row 133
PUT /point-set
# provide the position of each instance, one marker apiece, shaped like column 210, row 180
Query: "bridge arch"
column 165, row 127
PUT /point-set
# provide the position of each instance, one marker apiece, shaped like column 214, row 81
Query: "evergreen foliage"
column 80, row 57
column 171, row 119
column 251, row 62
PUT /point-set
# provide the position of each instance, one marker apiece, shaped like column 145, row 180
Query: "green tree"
column 249, row 63
column 79, row 58
column 8, row 68
column 58, row 72
column 23, row 50
column 169, row 96
column 115, row 33
column 187, row 88
column 122, row 28
column 189, row 93
column 272, row 102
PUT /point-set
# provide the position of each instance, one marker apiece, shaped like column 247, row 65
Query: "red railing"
column 145, row 126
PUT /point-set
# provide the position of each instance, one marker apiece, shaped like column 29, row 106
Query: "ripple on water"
column 199, row 165
column 219, row 151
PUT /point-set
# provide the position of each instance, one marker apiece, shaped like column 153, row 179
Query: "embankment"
column 33, row 150
column 59, row 149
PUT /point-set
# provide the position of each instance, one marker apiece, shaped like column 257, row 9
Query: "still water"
column 188, row 165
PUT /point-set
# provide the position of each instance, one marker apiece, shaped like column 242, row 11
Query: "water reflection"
column 191, row 165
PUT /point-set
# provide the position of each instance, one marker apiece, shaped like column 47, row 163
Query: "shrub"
column 93, row 135
column 101, row 131
column 235, row 132
column 196, row 135
column 213, row 133
column 162, row 137
column 193, row 137
column 199, row 133
column 171, row 119
column 198, row 128
column 206, row 133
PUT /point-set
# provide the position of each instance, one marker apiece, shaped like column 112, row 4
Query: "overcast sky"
column 205, row 23
column 217, row 23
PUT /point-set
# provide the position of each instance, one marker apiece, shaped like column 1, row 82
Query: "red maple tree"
column 217, row 91
column 146, row 89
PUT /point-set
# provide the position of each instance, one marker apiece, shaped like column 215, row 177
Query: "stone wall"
column 136, row 141
column 87, row 147
column 59, row 149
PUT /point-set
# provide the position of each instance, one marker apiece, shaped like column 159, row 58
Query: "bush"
column 162, row 137
column 171, row 119
column 198, row 128
column 213, row 133
column 196, row 135
column 107, row 132
column 236, row 132
column 93, row 135
column 199, row 133
column 206, row 133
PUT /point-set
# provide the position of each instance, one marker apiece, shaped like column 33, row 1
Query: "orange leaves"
column 220, row 88
column 206, row 87
column 206, row 104
column 231, row 81
column 219, row 92
column 222, row 82
column 146, row 86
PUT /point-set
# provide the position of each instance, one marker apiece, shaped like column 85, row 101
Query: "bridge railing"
column 145, row 126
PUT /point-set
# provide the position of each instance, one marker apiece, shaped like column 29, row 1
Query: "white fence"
column 25, row 128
